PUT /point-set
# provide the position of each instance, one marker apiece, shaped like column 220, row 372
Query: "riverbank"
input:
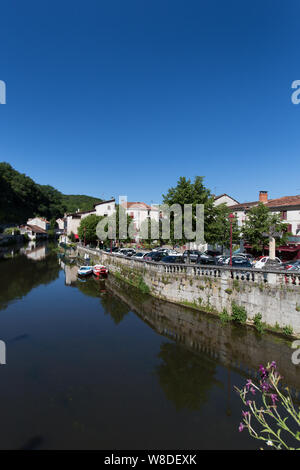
column 272, row 296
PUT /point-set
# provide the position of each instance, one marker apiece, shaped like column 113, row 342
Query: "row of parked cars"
column 157, row 254
column 209, row 257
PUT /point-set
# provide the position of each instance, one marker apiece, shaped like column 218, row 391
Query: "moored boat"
column 100, row 270
column 85, row 270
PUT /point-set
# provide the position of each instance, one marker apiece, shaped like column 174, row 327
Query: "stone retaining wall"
column 275, row 295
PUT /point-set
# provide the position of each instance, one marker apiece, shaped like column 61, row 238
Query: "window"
column 284, row 215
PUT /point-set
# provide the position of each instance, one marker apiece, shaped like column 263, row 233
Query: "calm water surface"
column 95, row 365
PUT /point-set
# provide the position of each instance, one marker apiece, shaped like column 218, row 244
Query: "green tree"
column 188, row 192
column 258, row 223
column 220, row 227
column 21, row 198
column 87, row 228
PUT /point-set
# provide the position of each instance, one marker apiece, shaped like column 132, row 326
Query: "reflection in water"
column 35, row 251
column 185, row 377
column 97, row 364
column 237, row 347
column 116, row 308
column 19, row 275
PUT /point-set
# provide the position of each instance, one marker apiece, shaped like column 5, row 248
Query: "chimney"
column 263, row 196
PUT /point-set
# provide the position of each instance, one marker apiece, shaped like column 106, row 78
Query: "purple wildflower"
column 273, row 365
column 263, row 372
column 248, row 384
column 245, row 413
column 265, row 386
column 274, row 398
column 248, row 402
column 241, row 427
column 252, row 390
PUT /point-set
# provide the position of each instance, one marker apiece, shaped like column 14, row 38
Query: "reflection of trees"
column 111, row 305
column 185, row 377
column 20, row 275
column 88, row 287
column 115, row 308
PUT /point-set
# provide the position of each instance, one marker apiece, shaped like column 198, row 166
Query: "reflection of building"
column 34, row 252
column 70, row 272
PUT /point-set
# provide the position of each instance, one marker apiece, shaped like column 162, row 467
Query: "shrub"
column 143, row 286
column 12, row 230
column 224, row 316
column 239, row 313
column 259, row 325
column 287, row 330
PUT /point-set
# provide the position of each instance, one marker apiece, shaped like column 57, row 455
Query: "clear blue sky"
column 124, row 96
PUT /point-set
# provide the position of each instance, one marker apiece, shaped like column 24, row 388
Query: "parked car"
column 139, row 255
column 154, row 256
column 261, row 263
column 113, row 250
column 129, row 252
column 241, row 262
column 172, row 259
column 246, row 255
column 213, row 253
column 192, row 255
column 174, row 253
column 206, row 259
column 220, row 260
column 291, row 265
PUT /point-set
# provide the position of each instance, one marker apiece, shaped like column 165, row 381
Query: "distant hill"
column 74, row 202
column 21, row 198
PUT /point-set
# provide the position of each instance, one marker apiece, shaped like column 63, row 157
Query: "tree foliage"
column 22, row 198
column 259, row 222
column 188, row 192
column 220, row 227
column 87, row 228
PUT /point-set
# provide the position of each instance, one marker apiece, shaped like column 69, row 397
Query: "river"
column 97, row 365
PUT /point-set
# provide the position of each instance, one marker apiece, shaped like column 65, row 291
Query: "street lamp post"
column 231, row 218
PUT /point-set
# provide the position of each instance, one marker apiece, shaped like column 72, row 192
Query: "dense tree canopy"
column 21, row 198
column 87, row 228
column 188, row 192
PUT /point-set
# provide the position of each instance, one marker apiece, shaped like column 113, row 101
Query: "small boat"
column 85, row 270
column 100, row 270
